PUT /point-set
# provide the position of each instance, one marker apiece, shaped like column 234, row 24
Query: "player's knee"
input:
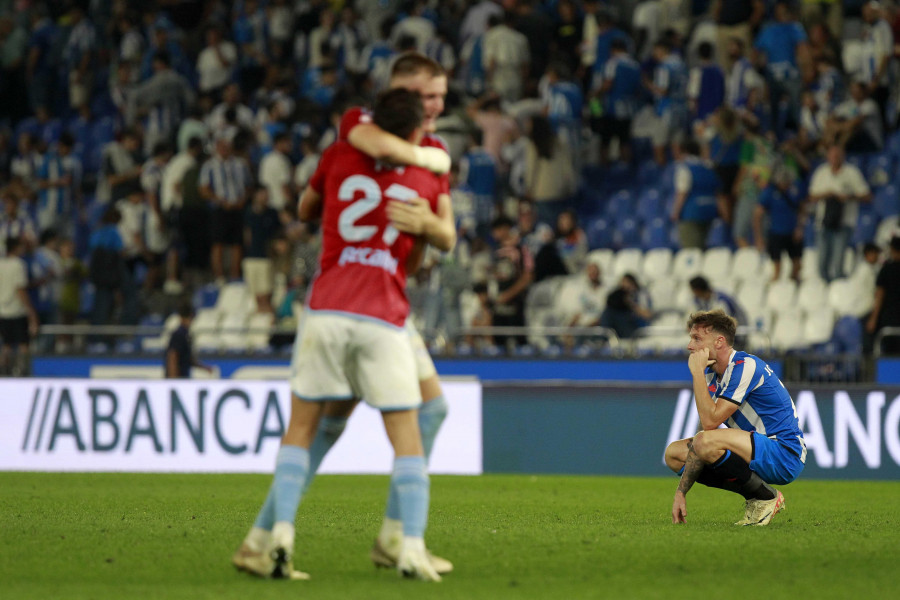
column 676, row 455
column 704, row 447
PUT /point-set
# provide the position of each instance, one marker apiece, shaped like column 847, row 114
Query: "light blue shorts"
column 775, row 462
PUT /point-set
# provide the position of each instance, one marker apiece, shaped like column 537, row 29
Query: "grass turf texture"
column 171, row 536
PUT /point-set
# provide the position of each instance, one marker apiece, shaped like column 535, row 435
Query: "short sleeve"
column 351, row 118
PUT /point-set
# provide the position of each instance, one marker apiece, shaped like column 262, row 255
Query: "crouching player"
column 351, row 342
column 762, row 444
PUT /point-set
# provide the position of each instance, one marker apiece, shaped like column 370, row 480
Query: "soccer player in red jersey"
column 351, row 343
column 418, row 73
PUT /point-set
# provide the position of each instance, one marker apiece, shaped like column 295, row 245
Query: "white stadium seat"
column 662, row 292
column 205, row 329
column 233, row 298
column 818, row 326
column 809, row 264
column 687, row 263
column 841, row 297
column 628, row 261
column 657, row 263
column 812, row 295
column 748, row 264
column 787, row 333
column 233, row 331
column 259, row 330
column 781, row 295
column 603, row 258
column 887, row 228
column 751, row 292
column 717, row 265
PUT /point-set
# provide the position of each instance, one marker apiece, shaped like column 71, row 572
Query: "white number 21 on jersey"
column 347, row 227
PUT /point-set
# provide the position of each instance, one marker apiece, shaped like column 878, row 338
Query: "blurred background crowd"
column 616, row 163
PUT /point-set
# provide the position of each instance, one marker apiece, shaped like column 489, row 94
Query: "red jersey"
column 356, row 115
column 362, row 268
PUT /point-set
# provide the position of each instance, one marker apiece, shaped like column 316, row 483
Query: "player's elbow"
column 709, row 423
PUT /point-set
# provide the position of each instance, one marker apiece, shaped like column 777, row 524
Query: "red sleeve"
column 351, row 118
column 317, row 181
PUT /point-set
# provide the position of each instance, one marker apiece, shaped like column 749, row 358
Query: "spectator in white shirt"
column 18, row 319
column 275, row 172
column 505, row 58
column 855, row 124
column 216, row 62
column 878, row 41
column 836, row 188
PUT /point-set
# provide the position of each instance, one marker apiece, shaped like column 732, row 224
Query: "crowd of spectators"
column 150, row 148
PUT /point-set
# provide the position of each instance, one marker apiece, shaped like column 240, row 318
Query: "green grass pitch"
column 171, row 536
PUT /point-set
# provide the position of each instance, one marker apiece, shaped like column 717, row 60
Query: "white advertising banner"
column 200, row 426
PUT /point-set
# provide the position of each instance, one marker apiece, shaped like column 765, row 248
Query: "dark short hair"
column 716, row 320
column 705, row 50
column 480, row 288
column 619, row 44
column 700, row 284
column 870, row 247
column 186, row 310
column 398, row 111
column 12, row 244
column 502, row 221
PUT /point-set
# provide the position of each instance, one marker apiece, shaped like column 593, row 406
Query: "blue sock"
column 291, row 470
column 431, row 416
column 410, row 478
column 266, row 517
column 330, row 429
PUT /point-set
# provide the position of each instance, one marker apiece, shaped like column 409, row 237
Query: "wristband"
column 433, row 159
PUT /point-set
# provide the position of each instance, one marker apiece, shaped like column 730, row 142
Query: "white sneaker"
column 414, row 563
column 749, row 507
column 382, row 556
column 764, row 510
column 262, row 564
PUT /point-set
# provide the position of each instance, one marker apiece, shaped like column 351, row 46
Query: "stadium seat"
column 848, row 335
column 684, row 297
column 809, row 264
column 748, row 264
column 787, row 333
column 886, row 202
column 818, row 326
column 627, row 233
column 205, row 329
column 599, row 234
column 233, row 299
column 841, row 297
column 657, row 263
column 620, row 204
column 233, row 331
column 880, row 170
column 716, row 264
column 893, row 145
column 103, row 132
column 866, row 228
column 259, row 330
column 159, row 343
column 655, row 234
column 663, row 290
column 887, row 228
column 687, row 263
column 812, row 295
column 628, row 260
column 719, row 235
column 603, row 257
column 769, row 267
column 752, row 292
column 781, row 295
column 649, row 206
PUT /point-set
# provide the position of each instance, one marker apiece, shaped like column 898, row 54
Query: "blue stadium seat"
column 649, row 173
column 667, row 180
column 620, row 204
column 627, row 233
column 865, row 230
column 880, row 170
column 893, row 145
column 719, row 235
column 809, row 233
column 52, row 130
column 886, row 201
column 655, row 234
column 599, row 234
column 102, row 105
column 860, row 161
column 103, row 131
column 848, row 335
column 649, row 206
column 205, row 297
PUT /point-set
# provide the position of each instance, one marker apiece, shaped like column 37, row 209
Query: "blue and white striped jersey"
column 764, row 405
column 229, row 179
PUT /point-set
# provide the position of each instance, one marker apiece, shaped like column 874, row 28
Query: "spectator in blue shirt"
column 618, row 97
column 697, row 192
column 39, row 70
column 781, row 200
column 669, row 87
column 781, row 48
column 706, row 87
column 79, row 55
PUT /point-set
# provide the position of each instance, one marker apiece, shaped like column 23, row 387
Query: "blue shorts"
column 775, row 462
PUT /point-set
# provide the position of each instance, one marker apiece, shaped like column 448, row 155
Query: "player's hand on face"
column 699, row 360
column 410, row 216
column 679, row 508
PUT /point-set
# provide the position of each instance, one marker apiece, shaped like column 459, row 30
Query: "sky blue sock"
column 266, row 517
column 330, row 429
column 291, row 470
column 410, row 478
column 431, row 415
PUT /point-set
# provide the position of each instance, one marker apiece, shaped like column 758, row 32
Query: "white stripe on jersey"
column 748, row 413
column 746, row 375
